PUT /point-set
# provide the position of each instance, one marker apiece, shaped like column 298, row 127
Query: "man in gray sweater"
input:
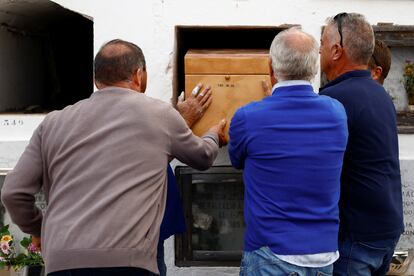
column 101, row 164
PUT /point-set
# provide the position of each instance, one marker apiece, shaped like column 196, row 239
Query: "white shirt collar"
column 290, row 83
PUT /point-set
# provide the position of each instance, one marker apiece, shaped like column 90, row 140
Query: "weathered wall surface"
column 150, row 24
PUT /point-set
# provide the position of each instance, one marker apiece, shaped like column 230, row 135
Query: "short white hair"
column 294, row 55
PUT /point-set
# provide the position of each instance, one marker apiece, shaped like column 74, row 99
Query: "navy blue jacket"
column 371, row 201
column 290, row 146
column 173, row 221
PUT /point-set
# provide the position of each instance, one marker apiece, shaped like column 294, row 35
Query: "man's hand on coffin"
column 194, row 107
column 219, row 129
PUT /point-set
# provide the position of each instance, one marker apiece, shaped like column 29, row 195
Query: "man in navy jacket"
column 371, row 218
column 290, row 146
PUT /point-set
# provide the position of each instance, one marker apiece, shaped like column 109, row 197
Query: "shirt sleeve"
column 190, row 149
column 237, row 145
column 21, row 185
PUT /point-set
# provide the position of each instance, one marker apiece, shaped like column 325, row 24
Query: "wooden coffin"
column 235, row 78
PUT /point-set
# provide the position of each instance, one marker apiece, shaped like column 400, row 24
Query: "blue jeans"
column 263, row 262
column 364, row 258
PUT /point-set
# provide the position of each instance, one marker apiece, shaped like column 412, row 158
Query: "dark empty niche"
column 199, row 247
column 217, row 37
column 46, row 56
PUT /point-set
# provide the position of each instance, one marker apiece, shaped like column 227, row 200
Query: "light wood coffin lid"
column 234, row 76
column 227, row 61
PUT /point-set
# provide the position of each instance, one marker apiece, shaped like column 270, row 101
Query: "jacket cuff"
column 211, row 135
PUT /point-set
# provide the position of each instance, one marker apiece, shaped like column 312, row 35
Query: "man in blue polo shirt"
column 371, row 217
column 290, row 146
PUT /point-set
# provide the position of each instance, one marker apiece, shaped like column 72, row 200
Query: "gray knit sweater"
column 102, row 166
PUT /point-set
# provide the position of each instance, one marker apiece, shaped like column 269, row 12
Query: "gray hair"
column 357, row 37
column 294, row 55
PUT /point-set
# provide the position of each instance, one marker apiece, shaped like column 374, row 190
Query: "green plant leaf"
column 5, row 230
column 26, row 241
column 20, row 260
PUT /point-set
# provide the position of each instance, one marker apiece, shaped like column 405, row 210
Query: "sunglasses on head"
column 338, row 19
column 375, row 60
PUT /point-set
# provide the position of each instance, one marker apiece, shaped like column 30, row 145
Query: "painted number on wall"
column 12, row 122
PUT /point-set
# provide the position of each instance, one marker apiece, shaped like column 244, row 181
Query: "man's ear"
column 98, row 85
column 376, row 73
column 336, row 51
column 140, row 80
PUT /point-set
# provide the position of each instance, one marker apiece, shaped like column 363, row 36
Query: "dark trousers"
column 103, row 271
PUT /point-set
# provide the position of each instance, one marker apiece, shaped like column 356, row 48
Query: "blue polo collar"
column 348, row 75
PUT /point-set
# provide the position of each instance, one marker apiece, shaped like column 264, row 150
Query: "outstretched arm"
column 21, row 185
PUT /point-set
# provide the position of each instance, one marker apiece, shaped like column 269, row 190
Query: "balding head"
column 294, row 55
column 117, row 61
